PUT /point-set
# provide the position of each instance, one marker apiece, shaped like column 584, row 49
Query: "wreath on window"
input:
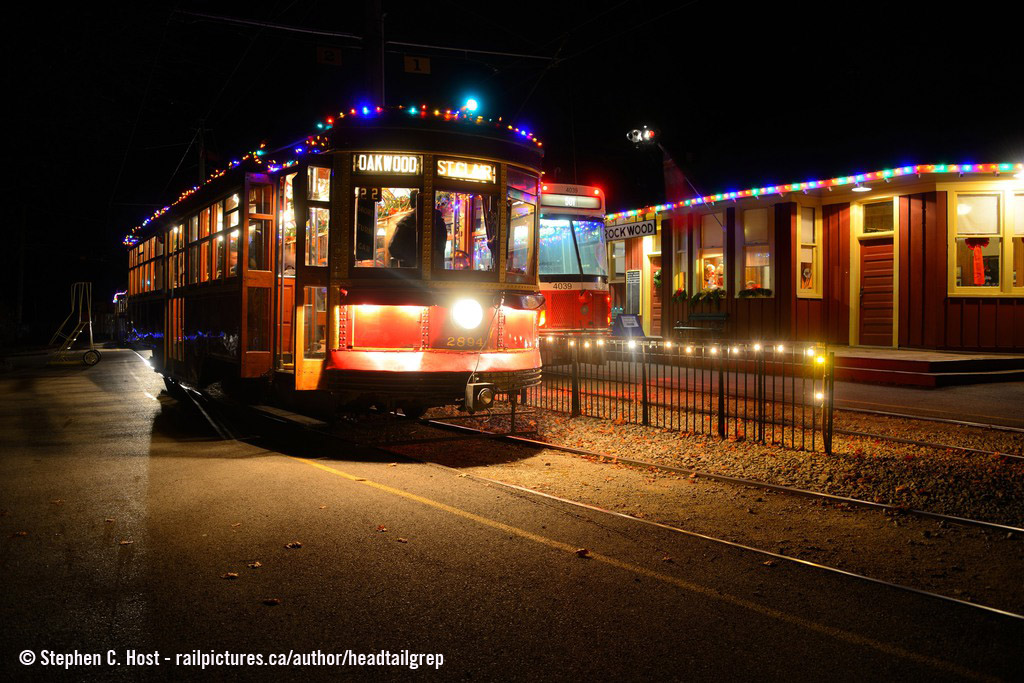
column 679, row 296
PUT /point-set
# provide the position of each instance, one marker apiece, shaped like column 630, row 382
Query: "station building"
column 927, row 256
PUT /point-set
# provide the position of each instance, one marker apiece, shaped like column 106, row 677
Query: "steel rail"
column 965, row 521
column 742, row 546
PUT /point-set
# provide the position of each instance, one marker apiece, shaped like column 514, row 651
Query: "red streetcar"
column 391, row 259
column 574, row 259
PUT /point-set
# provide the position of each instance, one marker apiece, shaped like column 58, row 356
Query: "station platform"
column 925, row 367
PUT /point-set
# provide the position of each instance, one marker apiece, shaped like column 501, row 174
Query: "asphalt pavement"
column 121, row 514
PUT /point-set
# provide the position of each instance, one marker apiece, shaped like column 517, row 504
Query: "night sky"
column 106, row 100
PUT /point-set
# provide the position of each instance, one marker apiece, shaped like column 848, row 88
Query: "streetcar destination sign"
column 466, row 170
column 370, row 162
column 630, row 230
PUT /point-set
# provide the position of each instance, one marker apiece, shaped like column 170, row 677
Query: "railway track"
column 739, row 481
column 211, row 413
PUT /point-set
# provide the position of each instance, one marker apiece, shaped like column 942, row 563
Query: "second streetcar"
column 573, row 261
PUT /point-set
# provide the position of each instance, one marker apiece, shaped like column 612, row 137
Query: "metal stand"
column 78, row 320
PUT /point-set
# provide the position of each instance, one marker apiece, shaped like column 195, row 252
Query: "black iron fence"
column 769, row 393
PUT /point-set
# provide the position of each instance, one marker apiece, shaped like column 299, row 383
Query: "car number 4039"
column 465, row 342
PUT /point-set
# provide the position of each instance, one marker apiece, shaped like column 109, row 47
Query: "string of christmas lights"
column 816, row 184
column 315, row 144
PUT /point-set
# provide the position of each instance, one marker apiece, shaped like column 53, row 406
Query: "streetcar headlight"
column 467, row 313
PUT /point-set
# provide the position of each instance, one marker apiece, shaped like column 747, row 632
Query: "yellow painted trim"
column 741, row 244
column 856, row 236
column 704, row 591
column 698, row 245
column 819, row 251
column 1006, row 191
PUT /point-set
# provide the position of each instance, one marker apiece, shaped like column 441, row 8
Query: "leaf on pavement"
column 582, row 552
column 255, row 564
column 231, row 576
column 21, row 533
column 769, row 563
column 381, row 528
column 125, row 541
column 271, row 602
column 293, row 545
column 403, row 540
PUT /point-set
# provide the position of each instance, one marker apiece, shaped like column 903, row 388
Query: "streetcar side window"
column 318, row 221
column 286, row 231
column 522, row 221
column 387, row 227
column 470, row 232
column 314, row 313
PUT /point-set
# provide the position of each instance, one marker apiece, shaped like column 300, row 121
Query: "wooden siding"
column 922, row 281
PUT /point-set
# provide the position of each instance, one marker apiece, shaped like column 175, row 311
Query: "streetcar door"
column 313, row 193
column 284, row 337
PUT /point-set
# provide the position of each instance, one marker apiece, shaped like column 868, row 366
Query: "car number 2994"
column 465, row 342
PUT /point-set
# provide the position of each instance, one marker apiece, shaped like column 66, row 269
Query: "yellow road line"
column 824, row 629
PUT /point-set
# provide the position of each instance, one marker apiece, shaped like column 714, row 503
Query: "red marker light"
column 597, row 192
column 544, row 188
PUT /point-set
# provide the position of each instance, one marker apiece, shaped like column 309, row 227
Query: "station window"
column 387, row 227
column 617, row 250
column 470, row 232
column 522, row 220
column 711, row 253
column 680, row 261
column 808, row 250
column 978, row 241
column 314, row 312
column 1018, row 240
column 757, row 251
column 878, row 217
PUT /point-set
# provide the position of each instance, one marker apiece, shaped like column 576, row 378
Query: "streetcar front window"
column 590, row 242
column 557, row 252
column 387, row 227
column 466, row 227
